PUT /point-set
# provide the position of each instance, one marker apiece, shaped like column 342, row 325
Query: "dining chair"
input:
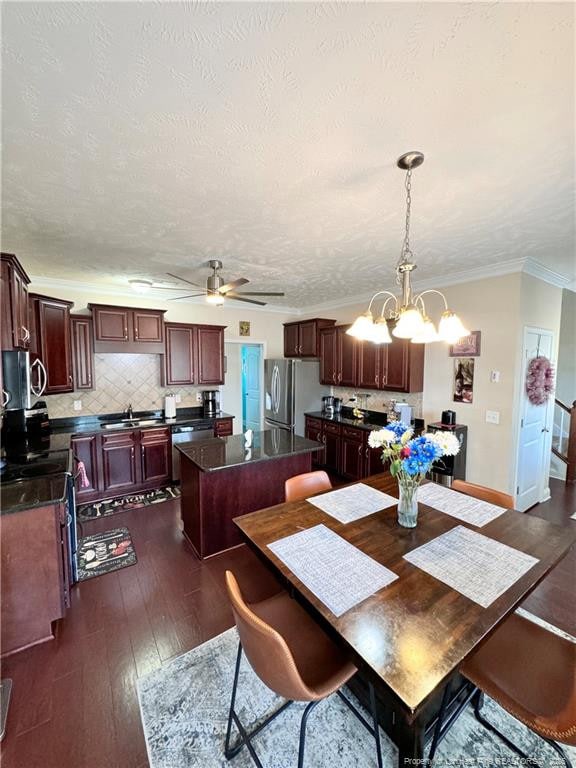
column 301, row 486
column 483, row 493
column 294, row 657
column 531, row 673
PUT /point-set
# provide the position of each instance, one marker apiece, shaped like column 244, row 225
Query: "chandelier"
column 408, row 312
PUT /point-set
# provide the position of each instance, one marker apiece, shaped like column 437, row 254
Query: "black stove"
column 38, row 465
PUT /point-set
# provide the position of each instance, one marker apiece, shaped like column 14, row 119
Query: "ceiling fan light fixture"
column 451, row 328
column 361, row 328
column 215, row 298
column 140, row 286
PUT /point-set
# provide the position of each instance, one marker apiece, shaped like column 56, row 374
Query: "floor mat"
column 104, row 552
column 123, row 503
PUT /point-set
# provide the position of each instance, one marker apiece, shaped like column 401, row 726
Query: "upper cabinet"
column 125, row 329
column 51, row 341
column 302, row 339
column 194, row 354
column 82, row 351
column 210, row 354
column 345, row 362
column 14, row 312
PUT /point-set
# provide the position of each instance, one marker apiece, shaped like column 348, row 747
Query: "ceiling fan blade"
column 197, row 285
column 259, row 293
column 189, row 296
column 166, row 288
column 233, row 285
column 248, row 301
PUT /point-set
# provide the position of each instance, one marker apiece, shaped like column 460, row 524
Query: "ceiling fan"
column 216, row 290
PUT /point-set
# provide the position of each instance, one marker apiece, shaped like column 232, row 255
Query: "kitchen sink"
column 126, row 423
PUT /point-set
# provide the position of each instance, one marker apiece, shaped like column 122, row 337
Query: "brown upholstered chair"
column 485, row 494
column 292, row 655
column 531, row 673
column 301, row 486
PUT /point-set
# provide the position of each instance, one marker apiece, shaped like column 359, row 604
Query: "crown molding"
column 538, row 270
column 93, row 289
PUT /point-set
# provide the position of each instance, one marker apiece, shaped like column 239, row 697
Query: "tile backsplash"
column 379, row 401
column 121, row 379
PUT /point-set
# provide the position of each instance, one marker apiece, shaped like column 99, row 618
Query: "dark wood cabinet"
column 85, row 448
column 338, row 358
column 395, row 367
column 302, row 338
column 52, row 341
column 210, row 355
column 155, row 456
column 15, row 330
column 331, row 440
column 82, row 352
column 223, row 427
column 125, row 329
column 148, row 325
column 119, row 470
column 179, row 367
column 352, row 458
column 369, row 365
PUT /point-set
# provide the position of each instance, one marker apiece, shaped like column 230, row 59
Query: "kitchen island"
column 222, row 479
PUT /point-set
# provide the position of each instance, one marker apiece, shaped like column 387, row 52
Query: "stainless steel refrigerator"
column 291, row 388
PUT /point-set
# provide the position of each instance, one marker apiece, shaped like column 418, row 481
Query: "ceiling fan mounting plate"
column 215, row 264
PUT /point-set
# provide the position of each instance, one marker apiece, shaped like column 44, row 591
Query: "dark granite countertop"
column 32, row 492
column 215, row 453
column 63, row 429
column 350, row 421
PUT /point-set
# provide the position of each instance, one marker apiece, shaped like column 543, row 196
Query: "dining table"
column 410, row 637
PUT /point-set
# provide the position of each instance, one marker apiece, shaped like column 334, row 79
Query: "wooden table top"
column 414, row 633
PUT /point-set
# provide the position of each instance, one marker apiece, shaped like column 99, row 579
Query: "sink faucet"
column 129, row 411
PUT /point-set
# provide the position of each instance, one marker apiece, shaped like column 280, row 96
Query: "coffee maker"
column 211, row 402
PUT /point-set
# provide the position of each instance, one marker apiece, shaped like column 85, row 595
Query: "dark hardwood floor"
column 74, row 700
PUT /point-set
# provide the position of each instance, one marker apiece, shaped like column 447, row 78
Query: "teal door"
column 251, row 356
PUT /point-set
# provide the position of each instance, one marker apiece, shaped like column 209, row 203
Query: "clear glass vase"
column 408, row 502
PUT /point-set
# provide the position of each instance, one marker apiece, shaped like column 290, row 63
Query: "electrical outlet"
column 77, row 405
column 494, row 377
column 177, row 397
column 493, row 417
column 198, row 397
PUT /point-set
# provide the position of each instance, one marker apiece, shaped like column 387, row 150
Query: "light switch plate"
column 493, row 417
column 494, row 377
column 198, row 397
column 177, row 397
column 77, row 405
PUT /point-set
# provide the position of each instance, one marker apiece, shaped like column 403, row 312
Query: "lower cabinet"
column 346, row 451
column 119, row 462
column 155, row 455
column 86, row 448
column 223, row 427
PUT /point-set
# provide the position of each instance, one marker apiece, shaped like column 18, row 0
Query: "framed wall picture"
column 244, row 326
column 467, row 346
column 463, row 380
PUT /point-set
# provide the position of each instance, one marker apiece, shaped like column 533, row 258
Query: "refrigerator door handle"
column 275, row 390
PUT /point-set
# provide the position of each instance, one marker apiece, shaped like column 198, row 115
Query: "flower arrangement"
column 410, row 459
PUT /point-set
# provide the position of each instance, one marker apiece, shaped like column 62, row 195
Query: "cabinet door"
column 292, row 340
column 373, row 461
column 328, row 356
column 223, row 427
column 308, row 339
column 210, row 354
column 20, row 311
column 395, row 359
column 119, row 472
column 179, row 368
column 111, row 324
column 347, row 369
column 331, row 440
column 313, row 431
column 53, row 328
column 85, row 448
column 82, row 352
column 148, row 326
column 368, row 365
column 155, row 455
column 352, row 454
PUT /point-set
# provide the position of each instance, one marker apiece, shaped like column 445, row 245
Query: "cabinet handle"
column 376, row 379
column 136, row 332
column 367, row 451
column 339, row 378
column 319, row 437
column 70, row 381
column 324, row 439
column 25, row 334
column 126, row 333
column 334, row 379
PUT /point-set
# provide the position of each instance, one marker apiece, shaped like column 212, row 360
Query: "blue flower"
column 398, row 428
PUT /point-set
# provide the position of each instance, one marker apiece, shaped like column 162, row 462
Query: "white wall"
column 231, row 392
column 566, row 371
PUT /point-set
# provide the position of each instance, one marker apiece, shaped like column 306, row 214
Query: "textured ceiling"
column 141, row 138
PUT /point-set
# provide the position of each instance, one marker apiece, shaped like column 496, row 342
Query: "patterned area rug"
column 184, row 708
column 96, row 509
column 104, row 552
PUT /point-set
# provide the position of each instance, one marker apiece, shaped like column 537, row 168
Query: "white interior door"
column 534, row 441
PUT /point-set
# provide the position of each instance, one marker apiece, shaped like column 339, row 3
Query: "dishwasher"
column 184, row 435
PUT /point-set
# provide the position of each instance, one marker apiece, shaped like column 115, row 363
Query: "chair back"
column 484, row 494
column 266, row 649
column 301, row 486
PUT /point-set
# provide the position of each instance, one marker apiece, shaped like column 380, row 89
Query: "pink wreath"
column 539, row 380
